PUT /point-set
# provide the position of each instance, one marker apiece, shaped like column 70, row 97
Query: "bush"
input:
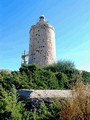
column 77, row 107
column 38, row 78
column 86, row 77
column 5, row 80
column 66, row 73
column 10, row 108
column 62, row 80
column 60, row 66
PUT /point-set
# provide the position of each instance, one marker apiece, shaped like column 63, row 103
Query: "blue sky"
column 70, row 18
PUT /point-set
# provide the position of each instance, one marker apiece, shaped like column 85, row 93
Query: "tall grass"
column 78, row 106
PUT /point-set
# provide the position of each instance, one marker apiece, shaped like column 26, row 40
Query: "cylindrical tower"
column 42, row 49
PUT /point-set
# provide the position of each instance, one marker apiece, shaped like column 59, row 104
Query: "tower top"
column 42, row 22
column 42, row 18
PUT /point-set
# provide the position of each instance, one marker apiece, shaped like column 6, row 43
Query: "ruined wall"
column 42, row 44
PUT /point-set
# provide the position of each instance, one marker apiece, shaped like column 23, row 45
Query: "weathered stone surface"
column 28, row 94
column 42, row 49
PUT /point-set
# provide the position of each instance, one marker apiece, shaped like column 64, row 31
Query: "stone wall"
column 34, row 98
column 39, row 94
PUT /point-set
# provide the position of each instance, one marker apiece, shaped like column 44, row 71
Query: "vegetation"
column 62, row 75
column 77, row 107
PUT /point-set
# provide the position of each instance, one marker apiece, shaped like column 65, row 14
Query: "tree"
column 60, row 66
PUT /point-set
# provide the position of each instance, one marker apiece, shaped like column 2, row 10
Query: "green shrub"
column 62, row 80
column 60, row 66
column 38, row 78
column 10, row 108
column 86, row 77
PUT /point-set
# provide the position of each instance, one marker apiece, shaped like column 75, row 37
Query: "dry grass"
column 77, row 107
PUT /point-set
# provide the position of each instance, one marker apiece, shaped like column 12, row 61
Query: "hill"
column 62, row 75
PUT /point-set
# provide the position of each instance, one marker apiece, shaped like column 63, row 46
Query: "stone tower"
column 42, row 49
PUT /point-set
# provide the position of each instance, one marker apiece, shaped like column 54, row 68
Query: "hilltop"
column 60, row 76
